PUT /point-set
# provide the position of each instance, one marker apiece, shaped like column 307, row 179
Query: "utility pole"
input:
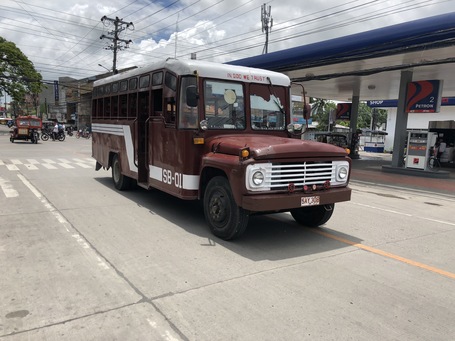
column 266, row 18
column 117, row 43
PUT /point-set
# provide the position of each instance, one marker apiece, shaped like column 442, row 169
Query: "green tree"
column 322, row 108
column 320, row 112
column 17, row 73
column 366, row 114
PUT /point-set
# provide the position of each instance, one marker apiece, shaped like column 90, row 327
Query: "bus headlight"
column 258, row 178
column 342, row 173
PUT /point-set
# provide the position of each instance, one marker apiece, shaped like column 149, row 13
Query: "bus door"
column 142, row 136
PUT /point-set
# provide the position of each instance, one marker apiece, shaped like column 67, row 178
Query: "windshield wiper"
column 272, row 92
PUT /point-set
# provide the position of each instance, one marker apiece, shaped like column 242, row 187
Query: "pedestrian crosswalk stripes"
column 8, row 189
column 37, row 164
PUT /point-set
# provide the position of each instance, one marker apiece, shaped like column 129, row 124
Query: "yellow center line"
column 386, row 254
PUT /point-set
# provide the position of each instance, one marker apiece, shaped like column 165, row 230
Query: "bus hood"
column 272, row 147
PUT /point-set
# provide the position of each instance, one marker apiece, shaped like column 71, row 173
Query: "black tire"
column 225, row 219
column 44, row 136
column 61, row 137
column 121, row 182
column 313, row 216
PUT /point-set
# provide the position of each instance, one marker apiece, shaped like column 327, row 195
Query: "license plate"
column 309, row 201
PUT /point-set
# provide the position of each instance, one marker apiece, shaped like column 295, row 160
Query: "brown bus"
column 217, row 133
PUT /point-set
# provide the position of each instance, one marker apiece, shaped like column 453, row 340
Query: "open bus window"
column 224, row 105
column 267, row 111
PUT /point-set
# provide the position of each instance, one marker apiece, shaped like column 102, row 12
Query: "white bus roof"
column 205, row 69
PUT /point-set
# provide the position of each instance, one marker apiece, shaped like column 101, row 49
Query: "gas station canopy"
column 368, row 64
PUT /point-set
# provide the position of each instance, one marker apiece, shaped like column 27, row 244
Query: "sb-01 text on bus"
column 218, row 133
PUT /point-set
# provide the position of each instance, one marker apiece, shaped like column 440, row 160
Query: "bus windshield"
column 267, row 107
column 224, row 105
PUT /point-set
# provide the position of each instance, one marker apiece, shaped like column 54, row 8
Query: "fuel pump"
column 418, row 149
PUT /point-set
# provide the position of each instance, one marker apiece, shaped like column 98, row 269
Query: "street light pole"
column 104, row 67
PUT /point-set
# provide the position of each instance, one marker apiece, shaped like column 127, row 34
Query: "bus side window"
column 144, row 104
column 157, row 96
column 123, row 106
column 114, row 100
column 107, row 107
column 132, row 105
column 188, row 111
column 170, row 110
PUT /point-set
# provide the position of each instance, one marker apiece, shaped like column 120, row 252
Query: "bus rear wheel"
column 121, row 182
column 225, row 219
column 313, row 216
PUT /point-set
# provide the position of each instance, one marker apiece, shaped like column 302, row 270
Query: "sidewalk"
column 369, row 168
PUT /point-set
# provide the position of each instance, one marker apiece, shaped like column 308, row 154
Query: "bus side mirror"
column 191, row 96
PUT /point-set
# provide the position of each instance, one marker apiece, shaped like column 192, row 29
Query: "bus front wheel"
column 313, row 216
column 225, row 219
column 121, row 182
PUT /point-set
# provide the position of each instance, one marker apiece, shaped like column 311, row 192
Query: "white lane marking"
column 16, row 162
column 32, row 161
column 64, row 161
column 48, row 166
column 49, row 161
column 403, row 214
column 78, row 160
column 12, row 167
column 83, row 165
column 62, row 220
column 30, row 166
column 65, row 165
column 2, row 163
column 8, row 189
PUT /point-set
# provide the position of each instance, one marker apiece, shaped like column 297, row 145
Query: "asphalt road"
column 82, row 261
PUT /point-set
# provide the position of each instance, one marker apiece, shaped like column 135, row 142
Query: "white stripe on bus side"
column 184, row 181
column 189, row 181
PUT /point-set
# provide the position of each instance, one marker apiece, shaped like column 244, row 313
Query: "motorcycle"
column 83, row 133
column 69, row 131
column 45, row 135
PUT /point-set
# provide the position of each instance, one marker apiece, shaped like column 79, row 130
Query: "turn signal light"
column 245, row 153
column 198, row 140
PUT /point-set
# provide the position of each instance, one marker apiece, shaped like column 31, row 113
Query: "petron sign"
column 423, row 96
column 343, row 111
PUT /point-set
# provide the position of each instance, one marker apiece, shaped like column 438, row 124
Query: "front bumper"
column 286, row 201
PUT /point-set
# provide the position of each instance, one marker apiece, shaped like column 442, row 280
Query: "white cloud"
column 62, row 38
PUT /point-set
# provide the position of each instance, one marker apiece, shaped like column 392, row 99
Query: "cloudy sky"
column 62, row 38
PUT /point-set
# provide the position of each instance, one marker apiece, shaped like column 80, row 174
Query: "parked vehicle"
column 69, row 130
column 336, row 139
column 26, row 128
column 85, row 133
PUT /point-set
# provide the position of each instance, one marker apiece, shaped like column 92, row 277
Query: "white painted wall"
column 415, row 122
